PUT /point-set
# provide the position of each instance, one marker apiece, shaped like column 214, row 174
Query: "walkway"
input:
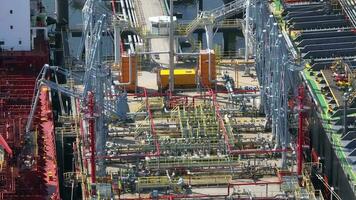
column 149, row 9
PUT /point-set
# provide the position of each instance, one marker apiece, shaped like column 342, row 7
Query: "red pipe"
column 226, row 138
column 236, row 151
column 4, row 144
column 212, row 94
column 92, row 136
column 133, row 155
column 154, row 94
column 153, row 129
column 81, row 127
column 238, row 91
column 221, row 121
column 113, row 6
column 300, row 132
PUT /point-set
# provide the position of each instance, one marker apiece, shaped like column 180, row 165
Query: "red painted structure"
column 92, row 137
column 300, row 132
column 221, row 120
column 31, row 172
column 152, row 126
column 4, row 145
column 46, row 131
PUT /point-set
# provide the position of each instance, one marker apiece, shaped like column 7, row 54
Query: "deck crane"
column 41, row 79
column 95, row 96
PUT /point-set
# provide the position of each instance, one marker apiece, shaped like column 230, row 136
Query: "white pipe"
column 171, row 48
column 166, row 110
column 134, row 19
column 36, row 97
column 33, row 109
column 132, row 9
column 209, row 39
column 163, row 52
column 209, row 65
column 209, row 68
column 245, row 95
column 117, row 40
column 247, row 20
column 123, row 9
column 127, row 16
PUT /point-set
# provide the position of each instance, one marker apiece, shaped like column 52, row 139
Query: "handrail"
column 140, row 127
column 227, row 23
column 227, row 9
column 215, row 15
column 221, row 120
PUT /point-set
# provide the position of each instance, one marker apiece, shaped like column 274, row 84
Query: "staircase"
column 227, row 10
column 216, row 15
column 193, row 25
column 142, row 127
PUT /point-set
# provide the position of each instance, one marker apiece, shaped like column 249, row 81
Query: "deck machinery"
column 291, row 137
column 169, row 145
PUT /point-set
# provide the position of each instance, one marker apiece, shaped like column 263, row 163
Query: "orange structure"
column 127, row 83
column 204, row 68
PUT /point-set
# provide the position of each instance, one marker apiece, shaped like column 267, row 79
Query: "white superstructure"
column 160, row 24
column 15, row 25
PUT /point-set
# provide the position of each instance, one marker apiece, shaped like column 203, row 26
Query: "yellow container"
column 183, row 78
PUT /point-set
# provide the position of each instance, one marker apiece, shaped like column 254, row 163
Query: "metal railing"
column 166, row 162
column 70, row 177
column 164, row 181
column 141, row 127
column 215, row 16
column 349, row 8
column 185, row 25
column 226, row 10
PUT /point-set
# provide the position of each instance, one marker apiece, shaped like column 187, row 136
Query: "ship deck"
column 320, row 44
